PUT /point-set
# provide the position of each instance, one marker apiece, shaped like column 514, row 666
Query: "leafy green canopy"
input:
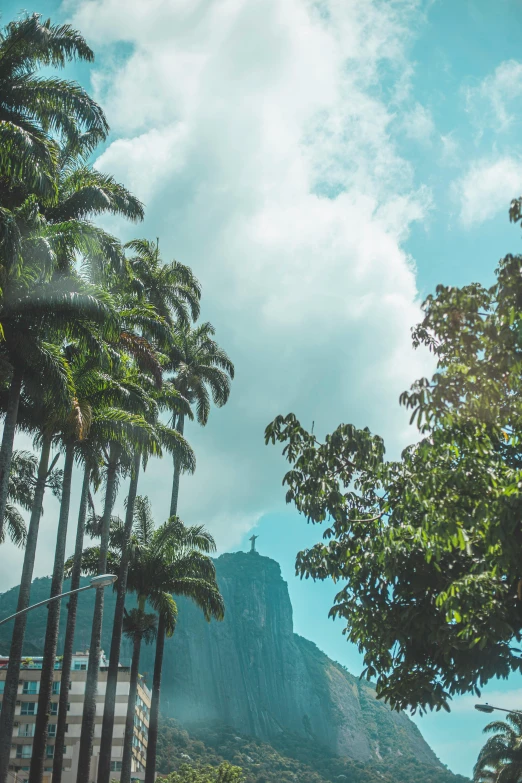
column 428, row 548
column 225, row 773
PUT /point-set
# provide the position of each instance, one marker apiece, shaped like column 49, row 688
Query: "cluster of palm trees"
column 101, row 362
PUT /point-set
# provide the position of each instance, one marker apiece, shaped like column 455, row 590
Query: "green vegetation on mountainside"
column 289, row 759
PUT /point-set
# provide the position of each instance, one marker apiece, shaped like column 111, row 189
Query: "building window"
column 52, row 730
column 54, row 708
column 28, row 708
column 79, row 666
column 2, row 686
column 26, row 730
column 23, row 751
column 56, row 687
column 50, row 751
column 31, row 686
column 115, row 766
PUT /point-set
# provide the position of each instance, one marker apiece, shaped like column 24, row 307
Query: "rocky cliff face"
column 250, row 671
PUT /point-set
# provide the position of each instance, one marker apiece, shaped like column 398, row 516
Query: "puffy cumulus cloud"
column 491, row 101
column 487, row 189
column 259, row 135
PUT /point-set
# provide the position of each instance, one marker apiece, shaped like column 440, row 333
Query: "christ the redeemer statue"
column 253, row 543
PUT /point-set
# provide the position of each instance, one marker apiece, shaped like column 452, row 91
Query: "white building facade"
column 25, row 717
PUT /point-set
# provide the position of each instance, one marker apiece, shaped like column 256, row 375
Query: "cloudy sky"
column 321, row 166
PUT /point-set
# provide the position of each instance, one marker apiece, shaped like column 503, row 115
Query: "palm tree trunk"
column 131, row 711
column 6, row 449
column 150, row 769
column 177, row 471
column 53, row 622
column 104, row 763
column 15, row 653
column 69, row 632
column 91, row 685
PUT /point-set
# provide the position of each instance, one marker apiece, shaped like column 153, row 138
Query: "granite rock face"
column 252, row 672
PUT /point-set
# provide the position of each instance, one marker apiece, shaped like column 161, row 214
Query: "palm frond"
column 15, row 525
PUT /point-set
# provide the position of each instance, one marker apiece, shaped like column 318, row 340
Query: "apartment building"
column 27, row 704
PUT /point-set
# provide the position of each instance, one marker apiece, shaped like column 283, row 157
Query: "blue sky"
column 321, row 166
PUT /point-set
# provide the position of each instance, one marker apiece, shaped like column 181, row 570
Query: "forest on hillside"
column 287, row 760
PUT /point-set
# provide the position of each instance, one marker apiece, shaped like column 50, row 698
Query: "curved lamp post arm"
column 488, row 708
column 97, row 582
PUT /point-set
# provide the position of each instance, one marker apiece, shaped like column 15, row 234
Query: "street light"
column 102, row 580
column 97, row 582
column 489, row 709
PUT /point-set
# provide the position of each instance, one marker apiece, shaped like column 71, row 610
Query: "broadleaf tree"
column 427, row 548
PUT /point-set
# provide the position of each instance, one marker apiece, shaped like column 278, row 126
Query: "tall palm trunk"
column 6, row 449
column 152, row 744
column 104, row 763
column 126, row 762
column 69, row 632
column 91, row 685
column 15, row 652
column 53, row 623
column 177, row 471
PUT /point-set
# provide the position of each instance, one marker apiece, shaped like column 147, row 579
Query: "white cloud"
column 490, row 102
column 508, row 700
column 450, row 154
column 259, row 136
column 418, row 124
column 487, row 189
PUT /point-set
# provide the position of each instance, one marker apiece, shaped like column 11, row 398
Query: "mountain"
column 252, row 673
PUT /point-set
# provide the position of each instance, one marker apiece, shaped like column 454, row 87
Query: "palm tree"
column 165, row 439
column 44, row 438
column 147, row 295
column 53, row 619
column 43, row 393
column 36, row 110
column 136, row 425
column 178, row 559
column 34, row 323
column 171, row 288
column 170, row 559
column 199, row 366
column 500, row 760
column 70, row 626
column 114, row 426
column 140, row 323
column 63, row 229
column 90, row 384
column 138, row 626
column 38, row 239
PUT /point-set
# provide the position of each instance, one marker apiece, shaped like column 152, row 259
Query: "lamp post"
column 489, row 709
column 99, row 582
